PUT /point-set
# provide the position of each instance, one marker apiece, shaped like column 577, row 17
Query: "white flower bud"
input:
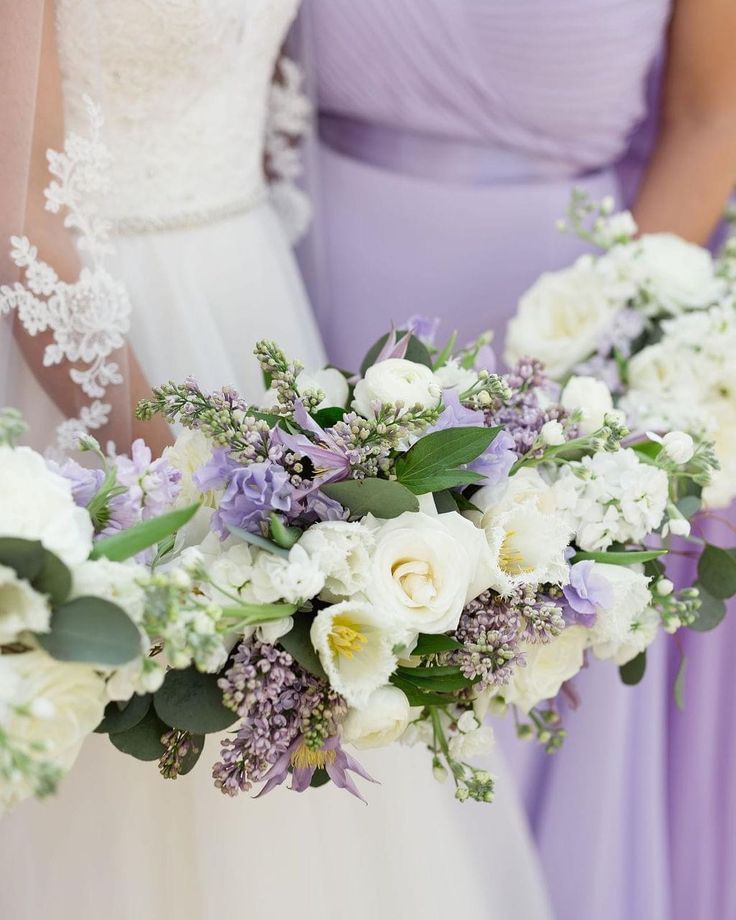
column 664, row 587
column 679, row 446
column 439, row 773
column 467, row 722
column 552, row 433
column 679, row 527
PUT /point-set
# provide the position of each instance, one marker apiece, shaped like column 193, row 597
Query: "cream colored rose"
column 562, row 318
column 591, row 398
column 381, row 721
column 396, row 380
column 547, row 668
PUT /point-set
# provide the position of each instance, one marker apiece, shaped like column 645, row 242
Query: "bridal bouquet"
column 393, row 554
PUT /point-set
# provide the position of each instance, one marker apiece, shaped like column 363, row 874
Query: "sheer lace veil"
column 63, row 318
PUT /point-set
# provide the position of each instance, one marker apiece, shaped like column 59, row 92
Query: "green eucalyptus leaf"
column 717, row 571
column 416, row 352
column 433, row 645
column 444, row 502
column 122, row 716
column 255, row 539
column 432, row 464
column 193, row 754
column 689, row 505
column 25, row 557
column 679, row 687
column 633, row 671
column 143, row 740
column 283, row 536
column 383, row 498
column 192, row 701
column 298, row 644
column 634, row 557
column 93, row 630
column 711, row 612
column 128, row 543
column 54, row 579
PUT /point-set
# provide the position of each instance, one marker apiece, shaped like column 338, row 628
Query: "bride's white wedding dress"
column 183, row 85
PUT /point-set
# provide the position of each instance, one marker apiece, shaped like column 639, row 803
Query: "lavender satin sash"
column 427, row 156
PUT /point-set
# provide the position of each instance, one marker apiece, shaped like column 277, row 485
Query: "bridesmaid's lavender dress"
column 451, row 133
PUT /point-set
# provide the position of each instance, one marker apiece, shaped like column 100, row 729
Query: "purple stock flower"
column 305, row 762
column 85, row 482
column 585, row 593
column 152, row 485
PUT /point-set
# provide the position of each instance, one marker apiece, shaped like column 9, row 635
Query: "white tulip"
column 381, row 721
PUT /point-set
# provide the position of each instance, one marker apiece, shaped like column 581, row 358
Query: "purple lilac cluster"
column 627, row 326
column 532, row 404
column 279, row 703
column 489, row 633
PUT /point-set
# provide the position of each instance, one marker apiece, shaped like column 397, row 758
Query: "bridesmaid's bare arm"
column 693, row 168
column 56, row 246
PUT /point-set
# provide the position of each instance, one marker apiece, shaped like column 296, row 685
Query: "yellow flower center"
column 304, row 758
column 510, row 558
column 345, row 637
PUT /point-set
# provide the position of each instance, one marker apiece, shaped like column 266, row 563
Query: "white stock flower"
column 47, row 709
column 21, row 608
column 562, row 318
column 396, row 380
column 425, row 568
column 547, row 668
column 231, row 571
column 37, row 504
column 342, row 552
column 355, row 642
column 187, row 454
column 629, row 625
column 473, row 743
column 678, row 275
column 612, row 497
column 293, row 580
column 332, row 383
column 113, row 581
column 453, row 376
column 593, row 400
column 380, row 721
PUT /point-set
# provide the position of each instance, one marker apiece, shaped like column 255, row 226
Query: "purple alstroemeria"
column 305, row 762
column 586, row 591
column 250, row 492
column 496, row 461
column 329, row 460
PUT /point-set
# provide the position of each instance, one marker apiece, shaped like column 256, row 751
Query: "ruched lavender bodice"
column 562, row 80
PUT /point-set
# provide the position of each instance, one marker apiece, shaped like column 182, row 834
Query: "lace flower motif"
column 89, row 318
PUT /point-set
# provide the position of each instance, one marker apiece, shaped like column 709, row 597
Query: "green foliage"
column 192, row 701
column 679, row 687
column 433, row 645
column 255, row 539
column 710, row 613
column 328, row 416
column 717, row 571
column 383, row 498
column 444, row 502
column 254, row 614
column 633, row 557
column 433, row 463
column 143, row 740
column 128, row 543
column 283, row 536
column 298, row 644
column 418, row 696
column 122, row 716
column 416, row 352
column 633, row 671
column 44, row 571
column 93, row 630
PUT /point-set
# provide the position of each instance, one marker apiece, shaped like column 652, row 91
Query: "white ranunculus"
column 37, row 504
column 453, row 376
column 592, row 398
column 425, row 568
column 677, row 274
column 466, row 745
column 547, row 668
column 562, row 318
column 342, row 552
column 187, row 454
column 396, row 380
column 113, row 581
column 381, row 721
column 21, row 608
column 613, row 630
column 47, row 709
column 332, row 383
column 355, row 643
column 293, row 580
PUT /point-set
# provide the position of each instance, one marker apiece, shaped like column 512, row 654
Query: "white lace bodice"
column 184, row 88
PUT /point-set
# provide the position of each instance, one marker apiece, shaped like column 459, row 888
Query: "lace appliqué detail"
column 90, row 318
column 290, row 120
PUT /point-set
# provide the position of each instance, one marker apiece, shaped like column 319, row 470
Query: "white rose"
column 426, row 568
column 293, row 580
column 613, row 634
column 37, row 504
column 453, row 376
column 547, row 668
column 381, row 721
column 342, row 552
column 721, row 490
column 355, row 642
column 187, row 454
column 113, row 581
column 396, row 380
column 592, row 398
column 332, row 383
column 47, row 710
column 562, row 318
column 470, row 744
column 678, row 274
column 21, row 608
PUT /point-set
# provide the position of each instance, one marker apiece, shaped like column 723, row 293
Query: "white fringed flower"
column 342, row 552
column 547, row 668
column 355, row 642
column 37, row 504
column 114, row 581
column 396, row 380
column 629, row 625
column 21, row 608
column 381, row 721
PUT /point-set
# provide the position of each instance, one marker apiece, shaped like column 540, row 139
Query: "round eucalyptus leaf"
column 193, row 755
column 93, row 630
column 25, row 557
column 142, row 741
column 120, row 717
column 54, row 579
column 192, row 701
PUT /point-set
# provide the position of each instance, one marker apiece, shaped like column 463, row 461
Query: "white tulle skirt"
column 121, row 843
